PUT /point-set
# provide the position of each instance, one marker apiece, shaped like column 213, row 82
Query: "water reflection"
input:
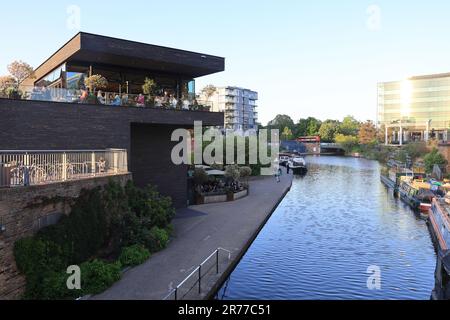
column 336, row 222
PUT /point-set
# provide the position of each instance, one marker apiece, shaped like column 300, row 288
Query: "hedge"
column 122, row 224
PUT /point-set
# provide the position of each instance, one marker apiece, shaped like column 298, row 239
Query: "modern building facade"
column 239, row 106
column 52, row 115
column 415, row 109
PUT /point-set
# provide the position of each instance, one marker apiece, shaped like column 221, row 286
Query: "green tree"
column 434, row 158
column 328, row 130
column 149, row 86
column 280, row 122
column 287, row 134
column 349, row 126
column 347, row 142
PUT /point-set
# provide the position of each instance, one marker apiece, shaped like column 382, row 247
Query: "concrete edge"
column 225, row 275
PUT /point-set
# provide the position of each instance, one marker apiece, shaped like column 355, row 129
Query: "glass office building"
column 415, row 109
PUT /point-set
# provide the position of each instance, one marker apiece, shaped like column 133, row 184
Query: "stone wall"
column 25, row 210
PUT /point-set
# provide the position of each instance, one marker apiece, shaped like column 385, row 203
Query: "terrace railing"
column 25, row 168
column 107, row 98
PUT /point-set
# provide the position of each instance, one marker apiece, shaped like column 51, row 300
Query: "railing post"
column 176, row 294
column 115, row 162
column 64, row 167
column 217, row 261
column 200, row 279
column 93, row 169
column 26, row 170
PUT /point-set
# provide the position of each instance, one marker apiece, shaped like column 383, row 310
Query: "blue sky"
column 305, row 58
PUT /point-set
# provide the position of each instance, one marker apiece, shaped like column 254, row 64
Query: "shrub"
column 134, row 255
column 155, row 239
column 232, row 172
column 102, row 221
column 433, row 158
column 97, row 276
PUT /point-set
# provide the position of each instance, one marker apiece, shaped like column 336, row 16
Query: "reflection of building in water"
column 416, row 109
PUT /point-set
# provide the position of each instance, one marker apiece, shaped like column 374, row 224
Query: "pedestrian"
column 288, row 168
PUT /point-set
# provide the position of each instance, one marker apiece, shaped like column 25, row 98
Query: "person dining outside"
column 117, row 101
column 125, row 99
column 83, row 96
column 100, row 97
column 158, row 101
column 186, row 103
column 173, row 102
column 140, row 101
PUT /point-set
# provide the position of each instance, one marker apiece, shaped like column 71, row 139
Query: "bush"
column 97, row 276
column 134, row 255
column 102, row 221
column 433, row 158
column 156, row 239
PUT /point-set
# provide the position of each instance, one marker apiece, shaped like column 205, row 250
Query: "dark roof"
column 431, row 76
column 102, row 50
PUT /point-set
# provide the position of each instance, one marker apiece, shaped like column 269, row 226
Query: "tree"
column 433, row 158
column 367, row 133
column 5, row 83
column 20, row 71
column 95, row 82
column 287, row 134
column 349, row 126
column 280, row 122
column 328, row 130
column 149, row 86
column 208, row 91
column 307, row 127
column 347, row 142
column 313, row 126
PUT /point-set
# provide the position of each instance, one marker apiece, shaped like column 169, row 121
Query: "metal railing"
column 25, row 168
column 194, row 279
column 100, row 97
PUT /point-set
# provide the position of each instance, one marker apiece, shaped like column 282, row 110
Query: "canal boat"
column 297, row 165
column 417, row 193
column 284, row 159
column 439, row 224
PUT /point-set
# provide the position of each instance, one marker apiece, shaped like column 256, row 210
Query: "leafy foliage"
column 433, row 158
column 134, row 255
column 102, row 221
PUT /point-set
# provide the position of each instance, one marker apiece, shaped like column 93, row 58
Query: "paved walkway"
column 199, row 230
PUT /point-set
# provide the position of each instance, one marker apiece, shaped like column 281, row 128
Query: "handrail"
column 198, row 271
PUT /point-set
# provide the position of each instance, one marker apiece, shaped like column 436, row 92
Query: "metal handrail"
column 198, row 270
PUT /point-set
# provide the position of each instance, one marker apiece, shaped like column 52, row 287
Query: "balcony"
column 28, row 168
column 113, row 99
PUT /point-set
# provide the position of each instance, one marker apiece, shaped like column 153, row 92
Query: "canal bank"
column 198, row 231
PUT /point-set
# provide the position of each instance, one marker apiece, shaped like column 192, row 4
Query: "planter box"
column 240, row 195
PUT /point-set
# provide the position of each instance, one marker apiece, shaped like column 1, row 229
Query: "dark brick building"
column 144, row 132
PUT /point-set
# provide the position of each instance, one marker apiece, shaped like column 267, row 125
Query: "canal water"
column 336, row 222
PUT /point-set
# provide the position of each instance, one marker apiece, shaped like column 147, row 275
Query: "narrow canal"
column 336, row 222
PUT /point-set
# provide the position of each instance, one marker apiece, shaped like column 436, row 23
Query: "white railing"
column 25, row 168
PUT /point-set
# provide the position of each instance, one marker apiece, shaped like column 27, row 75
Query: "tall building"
column 415, row 109
column 239, row 106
